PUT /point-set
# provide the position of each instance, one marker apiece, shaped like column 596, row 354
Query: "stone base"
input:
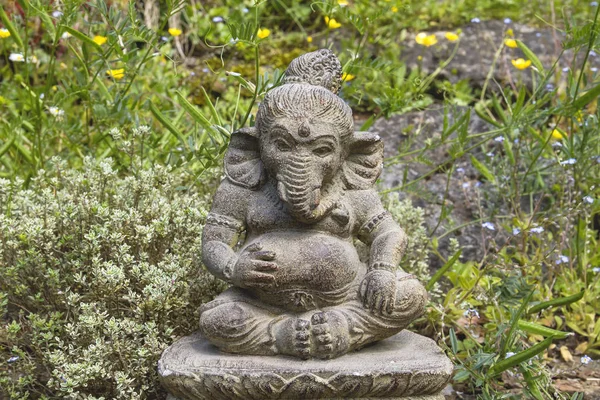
column 405, row 366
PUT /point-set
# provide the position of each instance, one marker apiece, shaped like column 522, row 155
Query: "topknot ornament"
column 318, row 68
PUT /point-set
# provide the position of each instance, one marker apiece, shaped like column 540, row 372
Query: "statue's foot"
column 324, row 336
column 330, row 334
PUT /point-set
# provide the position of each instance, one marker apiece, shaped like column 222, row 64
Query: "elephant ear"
column 243, row 165
column 364, row 162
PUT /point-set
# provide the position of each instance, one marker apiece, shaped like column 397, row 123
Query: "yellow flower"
column 394, row 9
column 519, row 63
column 263, row 33
column 343, row 3
column 509, row 32
column 100, row 40
column 425, row 39
column 557, row 134
column 451, row 36
column 347, row 77
column 512, row 43
column 116, row 74
column 309, row 39
column 174, row 31
column 332, row 23
column 4, row 33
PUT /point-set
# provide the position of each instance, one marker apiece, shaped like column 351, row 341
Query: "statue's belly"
column 315, row 270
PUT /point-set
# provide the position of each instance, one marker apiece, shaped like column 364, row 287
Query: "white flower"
column 56, row 112
column 557, row 144
column 509, row 354
column 537, row 229
column 596, row 270
column 516, row 231
column 16, row 57
column 507, row 21
column 57, row 14
column 594, row 4
column 569, row 161
column 588, row 199
column 475, row 20
column 217, row 19
column 460, row 170
column 562, row 260
column 466, row 185
column 489, row 226
column 586, row 359
column 471, row 313
column 490, row 154
column 245, row 10
column 499, row 139
column 594, row 69
column 66, row 35
column 13, row 359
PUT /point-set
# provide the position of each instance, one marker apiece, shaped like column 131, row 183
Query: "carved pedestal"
column 405, row 366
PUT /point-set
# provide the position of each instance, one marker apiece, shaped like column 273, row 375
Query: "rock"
column 406, row 366
column 410, row 132
column 477, row 51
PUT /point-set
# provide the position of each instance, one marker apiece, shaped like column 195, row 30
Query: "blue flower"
column 217, row 19
column 588, row 199
column 562, row 260
column 586, row 359
column 475, row 20
column 499, row 139
column 489, row 226
column 516, row 231
column 507, row 21
column 537, row 229
column 12, row 359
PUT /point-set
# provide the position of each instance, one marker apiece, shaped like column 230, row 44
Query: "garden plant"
column 115, row 115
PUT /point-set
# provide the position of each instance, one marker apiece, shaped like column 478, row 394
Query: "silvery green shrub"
column 99, row 274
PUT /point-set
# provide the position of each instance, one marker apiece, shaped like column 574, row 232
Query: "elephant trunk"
column 306, row 200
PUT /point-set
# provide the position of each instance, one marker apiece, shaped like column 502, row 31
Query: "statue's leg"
column 366, row 326
column 235, row 323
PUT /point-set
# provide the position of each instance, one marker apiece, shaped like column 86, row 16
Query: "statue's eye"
column 283, row 146
column 323, row 151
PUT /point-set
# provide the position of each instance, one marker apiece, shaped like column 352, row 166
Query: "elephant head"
column 304, row 141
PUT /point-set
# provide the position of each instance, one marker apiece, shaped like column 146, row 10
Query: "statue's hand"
column 254, row 268
column 378, row 291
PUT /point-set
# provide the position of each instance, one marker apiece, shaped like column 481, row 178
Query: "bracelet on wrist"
column 383, row 266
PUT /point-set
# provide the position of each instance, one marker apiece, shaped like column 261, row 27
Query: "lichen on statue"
column 300, row 186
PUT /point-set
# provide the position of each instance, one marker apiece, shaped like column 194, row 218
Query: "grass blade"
column 167, row 124
column 440, row 272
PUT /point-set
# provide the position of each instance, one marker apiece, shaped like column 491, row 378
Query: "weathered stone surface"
column 407, row 366
column 477, row 51
column 417, row 128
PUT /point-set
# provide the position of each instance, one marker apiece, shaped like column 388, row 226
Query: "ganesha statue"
column 312, row 257
column 297, row 195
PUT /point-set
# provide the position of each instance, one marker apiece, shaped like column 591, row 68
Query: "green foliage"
column 100, row 274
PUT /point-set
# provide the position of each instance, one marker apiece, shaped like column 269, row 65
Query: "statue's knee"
column 224, row 320
column 411, row 298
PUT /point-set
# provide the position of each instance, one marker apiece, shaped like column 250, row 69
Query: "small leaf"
column 531, row 55
column 84, row 38
column 483, row 169
column 586, row 98
column 542, row 330
column 11, row 28
column 521, row 356
column 561, row 301
column 453, row 341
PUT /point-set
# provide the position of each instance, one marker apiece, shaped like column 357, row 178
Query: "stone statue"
column 283, row 225
column 283, row 230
